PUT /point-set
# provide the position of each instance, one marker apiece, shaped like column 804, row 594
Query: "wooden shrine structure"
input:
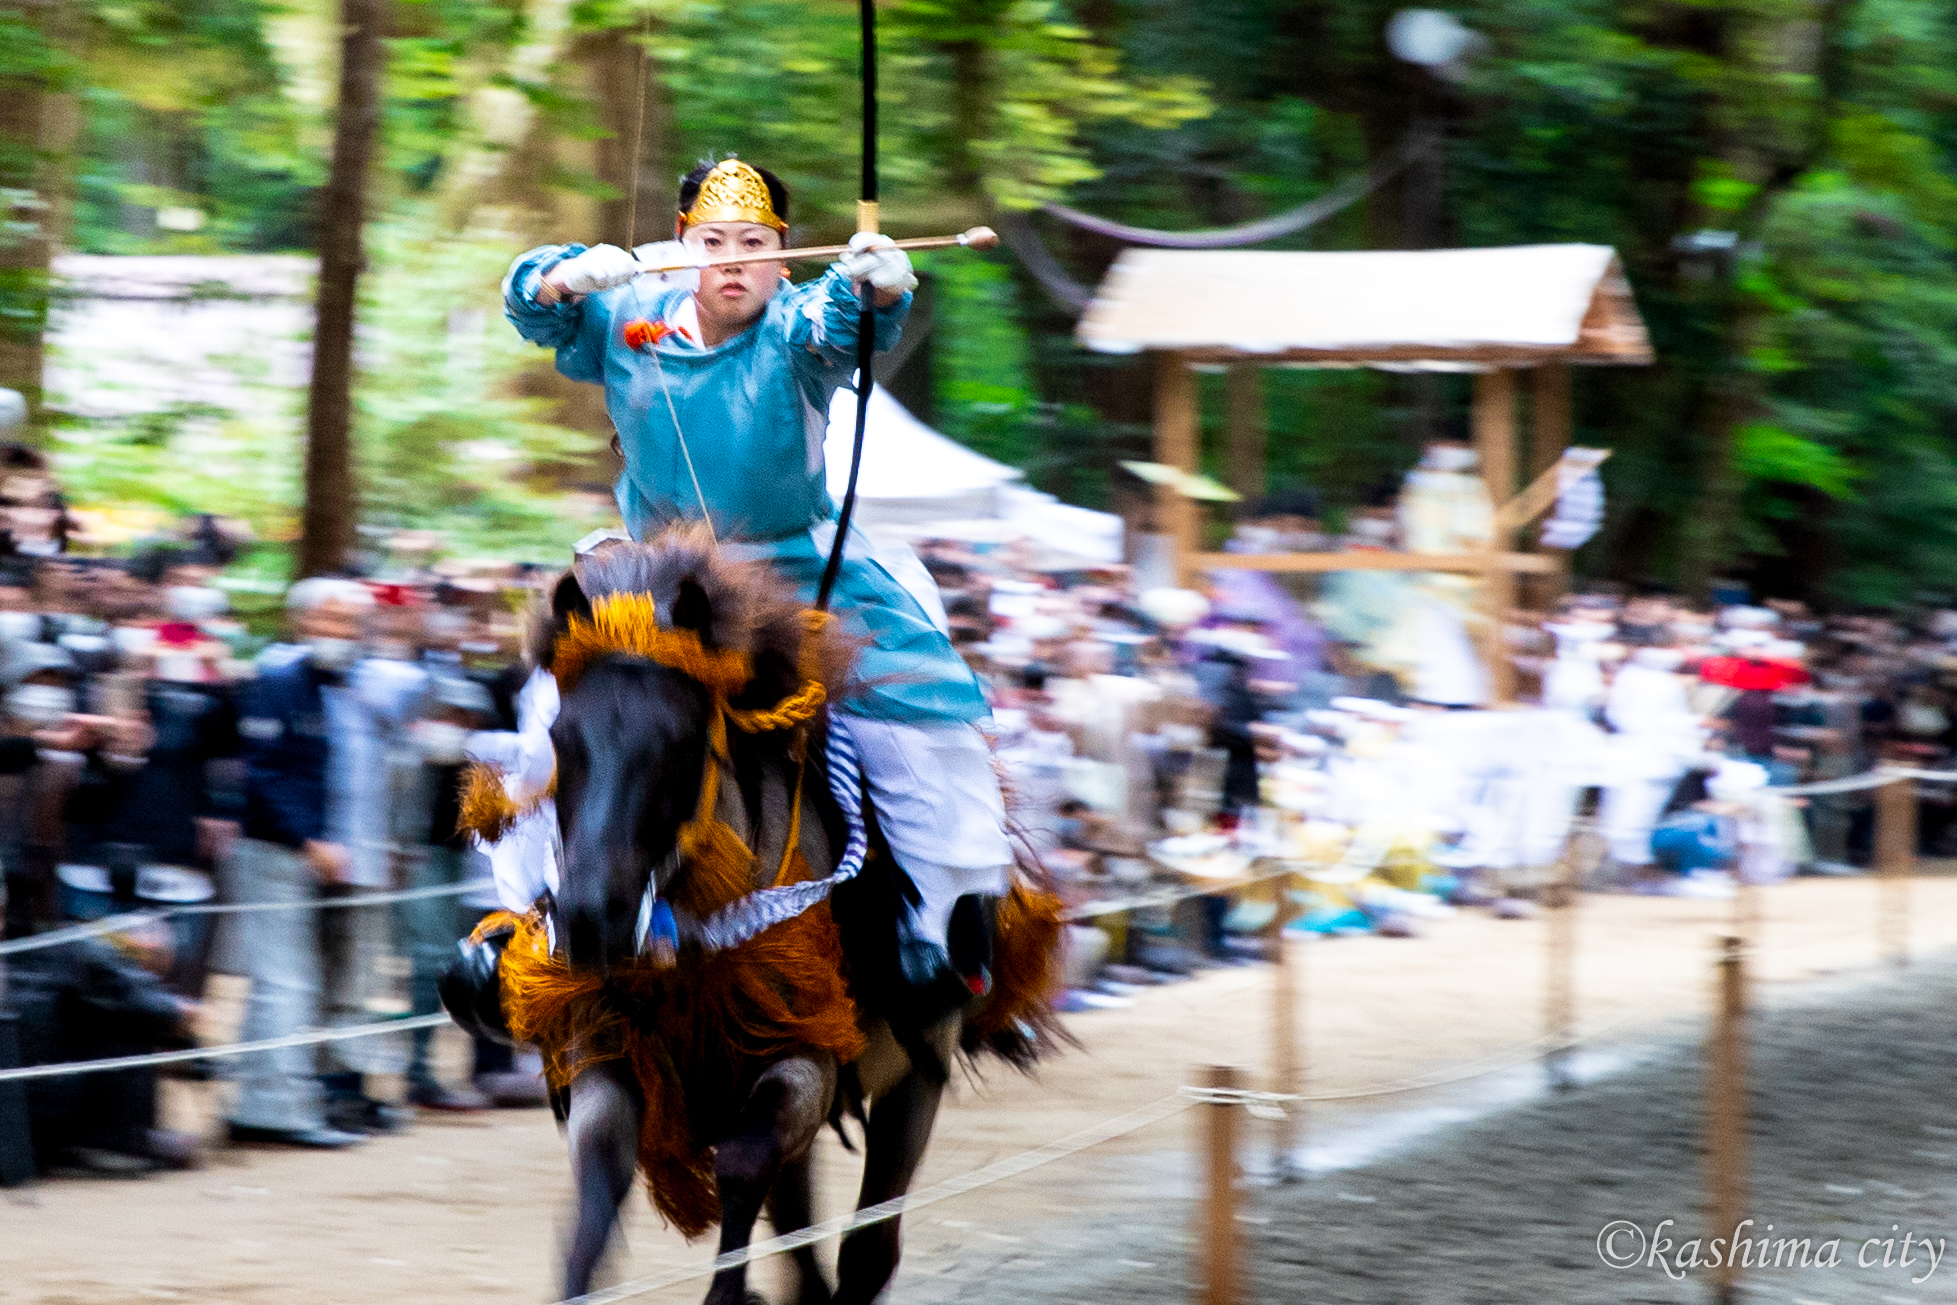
column 1494, row 313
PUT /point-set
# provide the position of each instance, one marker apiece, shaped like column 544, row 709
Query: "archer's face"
column 735, row 295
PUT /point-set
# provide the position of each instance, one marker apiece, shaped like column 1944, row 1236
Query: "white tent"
column 910, row 472
column 919, row 484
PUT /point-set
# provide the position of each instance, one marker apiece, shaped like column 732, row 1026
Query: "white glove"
column 875, row 258
column 664, row 253
column 598, row 268
column 670, row 253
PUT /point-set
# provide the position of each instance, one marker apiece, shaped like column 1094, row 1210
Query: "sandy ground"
column 470, row 1208
column 1853, row 1168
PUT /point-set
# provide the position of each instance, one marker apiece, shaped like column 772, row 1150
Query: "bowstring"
column 685, row 452
column 631, row 239
column 639, row 131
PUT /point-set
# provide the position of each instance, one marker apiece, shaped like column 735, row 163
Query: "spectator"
column 89, row 1001
column 442, row 856
column 289, row 853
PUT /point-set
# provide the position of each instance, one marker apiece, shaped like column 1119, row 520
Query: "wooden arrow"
column 976, row 238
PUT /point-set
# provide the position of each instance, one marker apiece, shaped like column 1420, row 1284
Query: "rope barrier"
column 405, row 1024
column 1093, row 910
column 1011, row 1167
column 1260, row 1105
column 137, row 919
column 1263, row 1105
column 1868, row 779
column 116, row 924
column 1170, row 896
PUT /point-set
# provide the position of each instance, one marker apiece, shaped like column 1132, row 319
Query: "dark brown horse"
column 692, row 774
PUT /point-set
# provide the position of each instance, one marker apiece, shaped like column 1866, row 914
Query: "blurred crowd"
column 1166, row 749
column 160, row 751
column 1178, row 736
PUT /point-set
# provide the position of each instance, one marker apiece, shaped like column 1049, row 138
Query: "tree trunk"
column 331, row 508
column 500, row 118
column 27, row 114
column 971, row 117
column 1706, row 537
column 966, row 27
column 635, row 158
column 1730, row 395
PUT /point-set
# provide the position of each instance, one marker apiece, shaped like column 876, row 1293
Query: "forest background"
column 1777, row 175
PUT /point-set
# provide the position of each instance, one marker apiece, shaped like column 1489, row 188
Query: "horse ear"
column 568, row 600
column 692, row 610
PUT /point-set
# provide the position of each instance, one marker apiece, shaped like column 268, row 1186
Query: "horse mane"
column 733, row 606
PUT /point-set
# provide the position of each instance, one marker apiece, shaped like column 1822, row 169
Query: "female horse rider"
column 720, row 394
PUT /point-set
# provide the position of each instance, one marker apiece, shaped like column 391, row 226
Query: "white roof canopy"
column 1471, row 308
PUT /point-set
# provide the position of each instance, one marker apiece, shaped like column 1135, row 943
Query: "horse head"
column 650, row 642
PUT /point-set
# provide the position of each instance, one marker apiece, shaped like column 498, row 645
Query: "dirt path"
column 468, row 1210
column 1853, row 1148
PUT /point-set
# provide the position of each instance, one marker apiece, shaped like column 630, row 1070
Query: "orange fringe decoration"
column 1025, row 964
column 629, row 624
column 488, row 810
column 689, row 1033
column 796, row 708
column 719, row 867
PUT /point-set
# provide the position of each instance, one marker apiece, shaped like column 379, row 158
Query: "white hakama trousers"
column 935, row 793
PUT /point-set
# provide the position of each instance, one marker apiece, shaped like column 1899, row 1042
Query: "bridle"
column 627, row 625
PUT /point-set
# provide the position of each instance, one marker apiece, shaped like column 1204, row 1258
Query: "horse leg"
column 899, row 1130
column 791, row 1209
column 777, row 1125
column 604, row 1135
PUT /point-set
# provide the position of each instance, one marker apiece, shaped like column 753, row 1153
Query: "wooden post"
column 1895, row 862
column 1243, row 429
column 1549, row 416
column 1494, row 431
column 1549, row 434
column 1747, row 912
column 1559, row 988
column 1725, row 1123
column 1219, row 1240
column 1176, row 443
column 1286, row 1076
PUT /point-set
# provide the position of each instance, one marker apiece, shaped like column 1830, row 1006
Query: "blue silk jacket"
column 754, row 411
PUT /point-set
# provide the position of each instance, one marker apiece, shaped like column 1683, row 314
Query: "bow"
column 866, row 324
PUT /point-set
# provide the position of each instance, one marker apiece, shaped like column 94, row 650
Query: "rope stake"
column 1259, row 1105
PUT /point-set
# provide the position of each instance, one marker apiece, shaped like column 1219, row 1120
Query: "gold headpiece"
column 733, row 192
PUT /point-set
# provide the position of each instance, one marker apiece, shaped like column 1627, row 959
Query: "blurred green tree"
column 1796, row 430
